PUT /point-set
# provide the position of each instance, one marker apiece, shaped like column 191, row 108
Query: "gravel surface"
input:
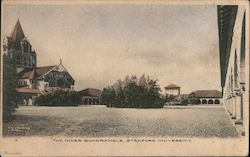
column 96, row 121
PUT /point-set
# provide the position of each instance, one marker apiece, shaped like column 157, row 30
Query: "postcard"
column 124, row 78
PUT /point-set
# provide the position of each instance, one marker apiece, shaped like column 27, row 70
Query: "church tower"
column 19, row 49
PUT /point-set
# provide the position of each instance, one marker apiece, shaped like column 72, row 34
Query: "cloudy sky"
column 100, row 43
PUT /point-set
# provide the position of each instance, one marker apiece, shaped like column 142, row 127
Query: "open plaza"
column 100, row 121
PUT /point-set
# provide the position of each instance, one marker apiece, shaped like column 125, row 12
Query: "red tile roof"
column 33, row 74
column 207, row 94
column 172, row 86
column 90, row 92
column 40, row 71
column 28, row 90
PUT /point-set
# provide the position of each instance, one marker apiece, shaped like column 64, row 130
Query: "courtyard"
column 100, row 121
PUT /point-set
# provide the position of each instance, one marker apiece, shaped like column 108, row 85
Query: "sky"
column 101, row 43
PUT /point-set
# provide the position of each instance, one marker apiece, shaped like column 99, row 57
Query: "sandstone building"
column 33, row 80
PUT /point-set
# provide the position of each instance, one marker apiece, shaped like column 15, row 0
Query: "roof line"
column 65, row 69
column 50, row 70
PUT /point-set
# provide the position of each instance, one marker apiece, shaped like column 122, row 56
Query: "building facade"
column 207, row 96
column 173, row 89
column 234, row 60
column 90, row 96
column 33, row 80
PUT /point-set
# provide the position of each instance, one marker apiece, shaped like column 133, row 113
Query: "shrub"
column 59, row 98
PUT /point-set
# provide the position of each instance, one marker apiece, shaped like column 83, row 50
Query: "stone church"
column 33, row 80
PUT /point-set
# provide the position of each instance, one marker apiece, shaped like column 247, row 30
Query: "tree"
column 108, row 96
column 193, row 100
column 169, row 98
column 133, row 93
column 10, row 94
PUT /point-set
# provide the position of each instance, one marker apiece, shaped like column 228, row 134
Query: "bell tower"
column 19, row 49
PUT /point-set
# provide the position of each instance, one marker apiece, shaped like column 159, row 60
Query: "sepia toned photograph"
column 124, row 78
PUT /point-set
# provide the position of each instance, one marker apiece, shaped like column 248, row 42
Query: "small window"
column 51, row 83
column 30, row 61
column 25, row 61
column 18, row 60
column 25, row 47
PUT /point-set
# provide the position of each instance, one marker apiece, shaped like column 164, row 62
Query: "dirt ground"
column 100, row 121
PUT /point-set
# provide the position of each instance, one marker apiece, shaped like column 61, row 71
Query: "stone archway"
column 204, row 101
column 24, row 101
column 198, row 101
column 30, row 101
column 85, row 101
column 210, row 101
column 216, row 101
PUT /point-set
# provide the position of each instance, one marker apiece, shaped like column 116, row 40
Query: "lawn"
column 93, row 121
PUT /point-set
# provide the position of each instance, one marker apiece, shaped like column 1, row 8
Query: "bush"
column 59, row 98
column 194, row 100
column 133, row 93
column 168, row 99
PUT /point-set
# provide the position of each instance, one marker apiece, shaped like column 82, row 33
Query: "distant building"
column 90, row 96
column 45, row 79
column 173, row 89
column 33, row 80
column 207, row 96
